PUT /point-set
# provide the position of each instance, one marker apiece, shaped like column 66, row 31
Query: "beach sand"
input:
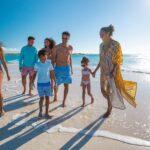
column 73, row 127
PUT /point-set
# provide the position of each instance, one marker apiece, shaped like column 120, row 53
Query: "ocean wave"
column 136, row 68
column 101, row 133
column 135, row 71
column 13, row 61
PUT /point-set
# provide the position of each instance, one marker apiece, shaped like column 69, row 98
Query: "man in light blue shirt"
column 27, row 60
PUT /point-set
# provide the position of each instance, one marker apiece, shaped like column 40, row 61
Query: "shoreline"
column 20, row 125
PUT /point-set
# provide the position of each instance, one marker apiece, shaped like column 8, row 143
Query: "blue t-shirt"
column 28, row 57
column 43, row 71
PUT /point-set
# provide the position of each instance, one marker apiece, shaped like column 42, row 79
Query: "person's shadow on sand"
column 25, row 137
column 10, row 131
column 19, row 102
column 82, row 137
column 12, row 98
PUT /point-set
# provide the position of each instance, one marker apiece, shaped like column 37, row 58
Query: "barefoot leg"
column 109, row 109
column 83, row 94
column 24, row 84
column 47, row 105
column 2, row 112
column 30, row 85
column 41, row 106
column 66, row 89
column 89, row 92
column 55, row 93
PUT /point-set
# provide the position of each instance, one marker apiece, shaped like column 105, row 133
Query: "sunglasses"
column 64, row 38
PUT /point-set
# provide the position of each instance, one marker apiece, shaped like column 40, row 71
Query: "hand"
column 111, row 74
column 72, row 72
column 52, row 88
column 93, row 74
column 32, row 86
column 8, row 77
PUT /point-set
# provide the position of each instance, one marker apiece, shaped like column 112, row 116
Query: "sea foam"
column 101, row 133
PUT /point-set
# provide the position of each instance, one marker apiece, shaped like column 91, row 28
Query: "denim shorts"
column 44, row 89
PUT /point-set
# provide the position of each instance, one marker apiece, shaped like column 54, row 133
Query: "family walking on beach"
column 55, row 68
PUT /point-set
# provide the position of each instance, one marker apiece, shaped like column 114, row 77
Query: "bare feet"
column 2, row 113
column 106, row 115
column 83, row 105
column 40, row 115
column 30, row 93
column 55, row 99
column 32, row 86
column 92, row 100
column 24, row 91
column 63, row 105
column 47, row 116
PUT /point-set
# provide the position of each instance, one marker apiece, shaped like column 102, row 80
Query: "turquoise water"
column 133, row 63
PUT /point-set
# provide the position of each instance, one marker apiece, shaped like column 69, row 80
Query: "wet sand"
column 21, row 129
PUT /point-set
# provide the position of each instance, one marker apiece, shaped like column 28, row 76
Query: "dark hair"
column 84, row 60
column 110, row 29
column 66, row 33
column 31, row 38
column 42, row 53
column 51, row 41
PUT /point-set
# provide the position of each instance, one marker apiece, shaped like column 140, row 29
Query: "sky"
column 82, row 18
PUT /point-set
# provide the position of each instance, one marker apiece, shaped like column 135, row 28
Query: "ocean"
column 131, row 62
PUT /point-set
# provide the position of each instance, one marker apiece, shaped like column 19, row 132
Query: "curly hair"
column 84, row 60
column 52, row 42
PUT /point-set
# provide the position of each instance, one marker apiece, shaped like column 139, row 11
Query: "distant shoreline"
column 17, row 53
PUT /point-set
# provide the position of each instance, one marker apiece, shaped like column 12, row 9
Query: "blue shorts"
column 44, row 89
column 63, row 75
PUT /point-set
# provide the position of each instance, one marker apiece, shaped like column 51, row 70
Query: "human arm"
column 34, row 76
column 94, row 72
column 91, row 72
column 4, row 63
column 54, row 55
column 36, row 68
column 99, row 63
column 53, row 79
column 36, row 56
column 21, row 59
column 71, row 61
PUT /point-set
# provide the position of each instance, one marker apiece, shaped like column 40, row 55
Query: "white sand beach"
column 74, row 127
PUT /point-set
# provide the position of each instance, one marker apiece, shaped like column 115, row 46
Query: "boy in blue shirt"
column 45, row 73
